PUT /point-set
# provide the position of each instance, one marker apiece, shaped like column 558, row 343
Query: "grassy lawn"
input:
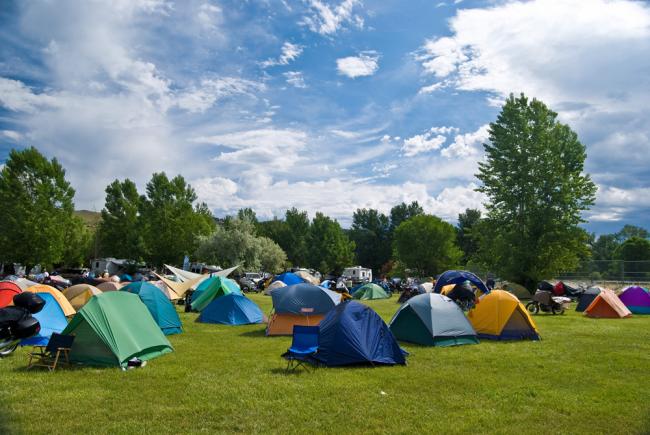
column 585, row 376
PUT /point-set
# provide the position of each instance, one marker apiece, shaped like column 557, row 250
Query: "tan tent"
column 79, row 294
column 68, row 309
column 109, row 286
column 168, row 292
column 307, row 277
column 180, row 288
column 273, row 286
column 607, row 305
column 24, row 283
column 185, row 275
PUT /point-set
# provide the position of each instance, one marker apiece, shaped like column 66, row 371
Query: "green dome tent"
column 113, row 328
column 211, row 289
column 370, row 291
column 432, row 319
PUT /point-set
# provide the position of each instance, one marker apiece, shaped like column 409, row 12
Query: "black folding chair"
column 48, row 356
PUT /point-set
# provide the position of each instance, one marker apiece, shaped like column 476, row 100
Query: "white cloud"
column 209, row 16
column 421, row 143
column 203, row 97
column 16, row 96
column 336, row 197
column 290, row 52
column 295, row 79
column 327, row 20
column 11, row 134
column 468, row 144
column 365, row 64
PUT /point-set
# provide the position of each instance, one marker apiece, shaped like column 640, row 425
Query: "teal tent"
column 212, row 288
column 113, row 328
column 432, row 319
column 162, row 311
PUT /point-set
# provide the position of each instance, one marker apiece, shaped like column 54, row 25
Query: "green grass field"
column 585, row 376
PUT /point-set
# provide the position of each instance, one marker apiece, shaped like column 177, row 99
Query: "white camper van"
column 357, row 274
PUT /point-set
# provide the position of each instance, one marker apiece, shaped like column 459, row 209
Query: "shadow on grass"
column 255, row 333
column 284, row 372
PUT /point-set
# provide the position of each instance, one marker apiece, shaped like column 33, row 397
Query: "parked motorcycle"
column 545, row 301
column 17, row 323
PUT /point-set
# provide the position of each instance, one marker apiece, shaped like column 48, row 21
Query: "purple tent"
column 636, row 299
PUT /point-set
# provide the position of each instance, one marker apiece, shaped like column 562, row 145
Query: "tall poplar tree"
column 534, row 179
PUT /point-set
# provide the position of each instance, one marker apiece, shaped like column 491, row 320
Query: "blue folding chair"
column 303, row 347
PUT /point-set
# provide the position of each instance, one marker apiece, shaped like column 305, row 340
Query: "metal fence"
column 609, row 271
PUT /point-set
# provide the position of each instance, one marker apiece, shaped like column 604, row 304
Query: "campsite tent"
column 500, row 316
column 353, row 333
column 307, row 277
column 109, row 286
column 289, row 278
column 179, row 288
column 231, row 309
column 51, row 318
column 607, row 305
column 24, row 283
column 517, row 289
column 370, row 291
column 68, row 310
column 458, row 277
column 636, row 299
column 212, row 288
column 587, row 298
column 167, row 291
column 273, row 286
column 114, row 327
column 79, row 294
column 162, row 311
column 185, row 275
column 426, row 287
column 299, row 304
column 434, row 320
column 8, row 290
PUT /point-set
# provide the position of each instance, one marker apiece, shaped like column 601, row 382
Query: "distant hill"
column 90, row 218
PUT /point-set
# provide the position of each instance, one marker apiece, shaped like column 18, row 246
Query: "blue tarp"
column 304, row 299
column 289, row 278
column 231, row 309
column 161, row 309
column 458, row 277
column 352, row 333
column 51, row 318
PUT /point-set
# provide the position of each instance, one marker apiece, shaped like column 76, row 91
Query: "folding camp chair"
column 48, row 356
column 303, row 347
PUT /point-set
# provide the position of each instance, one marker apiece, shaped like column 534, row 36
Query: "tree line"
column 532, row 176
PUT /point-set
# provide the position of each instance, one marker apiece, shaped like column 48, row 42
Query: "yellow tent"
column 447, row 288
column 500, row 316
column 68, row 310
column 79, row 294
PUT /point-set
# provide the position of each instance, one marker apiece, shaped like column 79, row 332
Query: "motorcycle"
column 17, row 323
column 545, row 301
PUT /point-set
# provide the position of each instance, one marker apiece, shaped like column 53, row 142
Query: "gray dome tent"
column 434, row 320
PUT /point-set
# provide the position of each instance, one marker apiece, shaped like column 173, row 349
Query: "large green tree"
column 536, row 189
column 37, row 209
column 171, row 221
column 635, row 253
column 371, row 234
column 465, row 233
column 120, row 231
column 402, row 212
column 629, row 231
column 426, row 245
column 330, row 249
column 236, row 244
column 295, row 237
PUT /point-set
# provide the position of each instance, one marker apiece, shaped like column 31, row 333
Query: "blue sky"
column 323, row 105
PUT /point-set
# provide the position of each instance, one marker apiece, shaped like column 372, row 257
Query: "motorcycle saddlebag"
column 32, row 302
column 27, row 328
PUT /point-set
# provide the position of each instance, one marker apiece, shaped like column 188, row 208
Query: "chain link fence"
column 610, row 272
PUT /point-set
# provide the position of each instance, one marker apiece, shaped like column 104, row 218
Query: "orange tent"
column 282, row 323
column 607, row 305
column 67, row 308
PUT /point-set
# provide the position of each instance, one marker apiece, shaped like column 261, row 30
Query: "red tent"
column 8, row 290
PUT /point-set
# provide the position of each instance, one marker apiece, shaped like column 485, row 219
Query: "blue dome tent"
column 353, row 333
column 231, row 309
column 51, row 318
column 458, row 277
